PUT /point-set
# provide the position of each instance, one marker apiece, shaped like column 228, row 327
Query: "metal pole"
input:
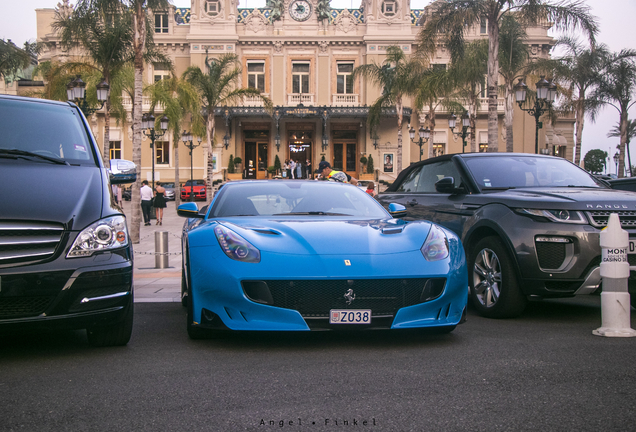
column 161, row 249
column 191, row 147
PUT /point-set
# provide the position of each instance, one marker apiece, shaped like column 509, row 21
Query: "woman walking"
column 159, row 203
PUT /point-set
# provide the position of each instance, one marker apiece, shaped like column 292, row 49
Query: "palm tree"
column 217, row 88
column 177, row 98
column 617, row 87
column 631, row 133
column 514, row 55
column 468, row 73
column 12, row 59
column 397, row 78
column 435, row 89
column 452, row 16
column 107, row 40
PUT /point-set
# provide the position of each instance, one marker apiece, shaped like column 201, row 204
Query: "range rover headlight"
column 103, row 235
column 436, row 245
column 563, row 216
column 235, row 246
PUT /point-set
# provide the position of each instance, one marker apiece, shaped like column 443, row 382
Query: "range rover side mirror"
column 445, row 185
column 122, row 171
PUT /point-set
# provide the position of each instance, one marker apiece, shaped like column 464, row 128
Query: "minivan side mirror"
column 122, row 171
column 189, row 210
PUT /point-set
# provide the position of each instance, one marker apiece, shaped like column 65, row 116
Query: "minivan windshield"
column 520, row 171
column 43, row 132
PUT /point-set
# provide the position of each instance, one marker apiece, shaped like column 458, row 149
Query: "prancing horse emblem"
column 350, row 296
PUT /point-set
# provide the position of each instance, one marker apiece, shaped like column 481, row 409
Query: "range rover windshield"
column 44, row 133
column 500, row 172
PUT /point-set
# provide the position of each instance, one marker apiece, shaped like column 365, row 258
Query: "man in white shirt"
column 146, row 201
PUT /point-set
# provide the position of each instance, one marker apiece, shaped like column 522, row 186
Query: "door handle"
column 412, row 203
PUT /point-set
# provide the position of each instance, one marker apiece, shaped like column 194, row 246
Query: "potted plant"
column 231, row 168
column 365, row 174
column 237, row 164
column 271, row 170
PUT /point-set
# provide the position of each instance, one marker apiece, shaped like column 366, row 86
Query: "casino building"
column 303, row 64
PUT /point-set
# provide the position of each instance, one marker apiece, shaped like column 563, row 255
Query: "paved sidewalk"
column 153, row 284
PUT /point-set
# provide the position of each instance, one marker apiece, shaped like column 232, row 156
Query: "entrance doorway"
column 255, row 160
column 300, row 144
column 345, row 144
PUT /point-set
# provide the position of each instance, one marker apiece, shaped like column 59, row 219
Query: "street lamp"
column 452, row 122
column 325, row 142
column 424, row 136
column 148, row 129
column 189, row 143
column 616, row 158
column 546, row 93
column 76, row 93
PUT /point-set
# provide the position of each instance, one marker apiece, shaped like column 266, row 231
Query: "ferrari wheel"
column 194, row 332
column 495, row 291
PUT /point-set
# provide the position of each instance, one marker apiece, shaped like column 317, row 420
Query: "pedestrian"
column 299, row 170
column 328, row 173
column 286, row 169
column 146, row 201
column 159, row 202
column 117, row 194
column 292, row 169
column 371, row 189
column 308, row 169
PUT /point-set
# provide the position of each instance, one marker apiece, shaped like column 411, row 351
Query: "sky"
column 615, row 17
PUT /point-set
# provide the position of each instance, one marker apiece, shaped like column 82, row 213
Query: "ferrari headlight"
column 235, row 246
column 103, row 235
column 563, row 216
column 436, row 245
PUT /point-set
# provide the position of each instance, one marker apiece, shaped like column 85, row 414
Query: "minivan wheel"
column 495, row 290
column 113, row 335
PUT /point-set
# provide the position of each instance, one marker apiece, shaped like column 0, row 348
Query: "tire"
column 115, row 335
column 494, row 288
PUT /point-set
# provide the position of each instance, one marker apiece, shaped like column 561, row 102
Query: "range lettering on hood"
column 608, row 206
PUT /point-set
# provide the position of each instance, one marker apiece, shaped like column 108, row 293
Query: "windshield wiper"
column 499, row 188
column 311, row 213
column 24, row 153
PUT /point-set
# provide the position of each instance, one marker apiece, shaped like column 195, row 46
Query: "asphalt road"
column 544, row 371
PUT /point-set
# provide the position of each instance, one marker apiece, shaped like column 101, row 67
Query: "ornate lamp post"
column 424, row 136
column 76, row 93
column 616, row 159
column 148, row 129
column 546, row 93
column 452, row 122
column 189, row 143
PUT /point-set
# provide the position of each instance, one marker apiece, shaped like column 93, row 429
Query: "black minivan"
column 66, row 259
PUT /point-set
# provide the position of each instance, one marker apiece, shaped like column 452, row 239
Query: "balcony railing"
column 127, row 103
column 345, row 100
column 300, row 98
column 251, row 100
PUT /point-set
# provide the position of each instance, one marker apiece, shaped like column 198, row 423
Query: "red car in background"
column 199, row 190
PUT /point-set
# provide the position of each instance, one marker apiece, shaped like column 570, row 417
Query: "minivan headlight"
column 105, row 234
column 563, row 216
column 435, row 247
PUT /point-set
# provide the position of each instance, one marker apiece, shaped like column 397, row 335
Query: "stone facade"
column 302, row 63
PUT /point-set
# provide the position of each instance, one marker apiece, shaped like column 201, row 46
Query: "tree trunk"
column 509, row 116
column 210, row 162
column 107, row 134
column 139, row 42
column 493, row 81
column 621, row 156
column 431, row 126
column 177, row 189
column 580, row 121
column 399, row 108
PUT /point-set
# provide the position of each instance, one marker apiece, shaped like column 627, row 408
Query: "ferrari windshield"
column 295, row 198
column 527, row 171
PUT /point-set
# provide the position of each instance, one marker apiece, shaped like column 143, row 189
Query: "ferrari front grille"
column 315, row 298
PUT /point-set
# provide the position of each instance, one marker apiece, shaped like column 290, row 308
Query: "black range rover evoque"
column 529, row 223
column 65, row 255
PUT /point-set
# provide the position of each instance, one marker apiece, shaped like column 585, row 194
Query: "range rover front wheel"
column 494, row 288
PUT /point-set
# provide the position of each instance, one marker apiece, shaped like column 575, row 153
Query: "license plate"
column 632, row 247
column 350, row 316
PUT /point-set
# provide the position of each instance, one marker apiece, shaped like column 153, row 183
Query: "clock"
column 300, row 10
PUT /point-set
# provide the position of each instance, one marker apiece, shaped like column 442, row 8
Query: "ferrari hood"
column 330, row 237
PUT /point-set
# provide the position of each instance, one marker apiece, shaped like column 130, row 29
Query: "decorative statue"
column 323, row 10
column 277, row 7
